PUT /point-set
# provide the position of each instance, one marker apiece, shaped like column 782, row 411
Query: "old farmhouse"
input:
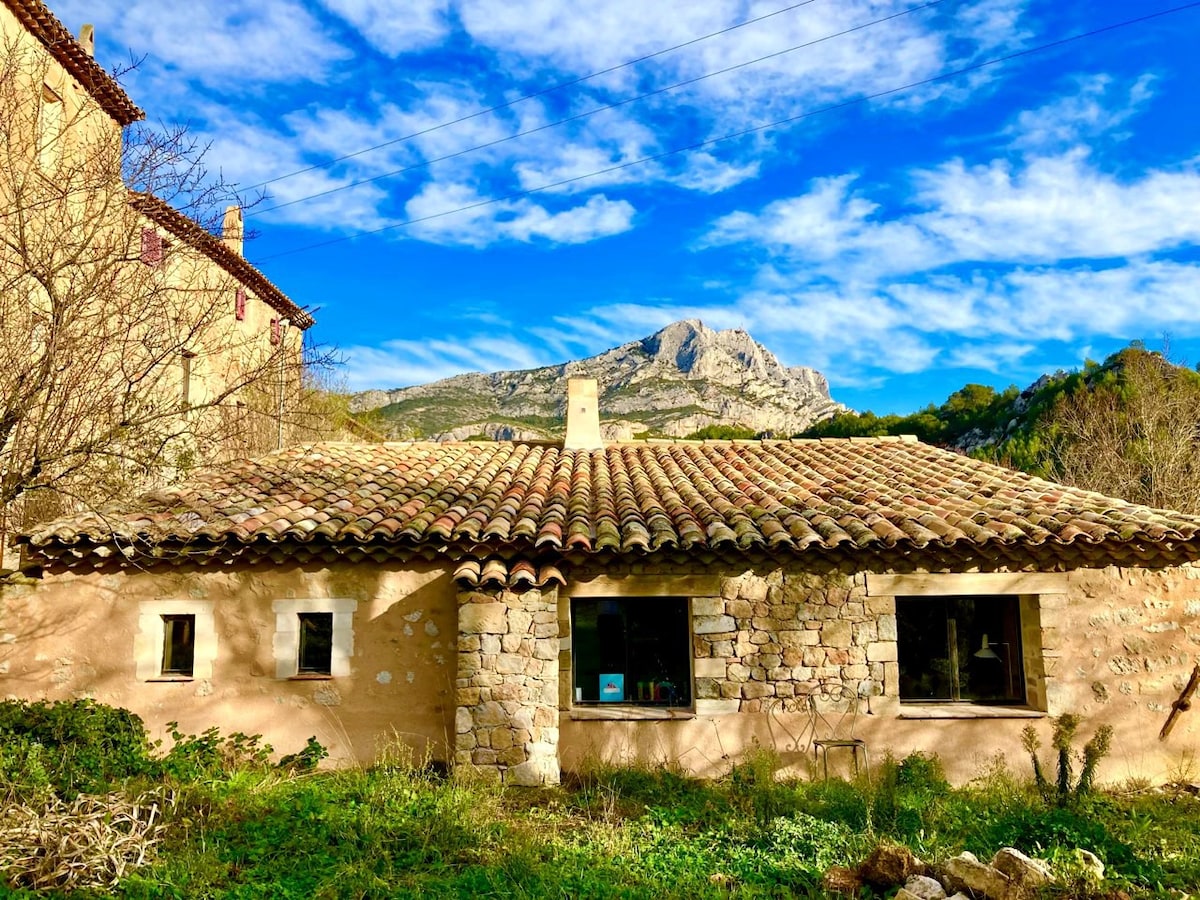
column 514, row 608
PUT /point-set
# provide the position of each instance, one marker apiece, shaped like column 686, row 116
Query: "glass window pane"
column 644, row 640
column 179, row 644
column 316, row 643
column 960, row 648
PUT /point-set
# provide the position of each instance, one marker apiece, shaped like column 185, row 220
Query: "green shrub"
column 24, row 775
column 87, row 747
column 209, row 755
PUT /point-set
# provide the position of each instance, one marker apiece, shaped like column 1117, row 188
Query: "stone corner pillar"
column 506, row 721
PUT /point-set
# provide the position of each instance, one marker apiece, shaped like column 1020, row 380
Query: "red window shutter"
column 152, row 248
column 239, row 308
column 275, row 334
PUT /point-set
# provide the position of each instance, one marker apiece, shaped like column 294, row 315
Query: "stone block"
column 709, row 668
column 753, row 588
column 741, row 609
column 469, row 664
column 713, row 624
column 886, row 628
column 708, row 688
column 508, row 664
column 979, row 878
column 533, row 773
column 466, row 696
column 730, row 690
column 519, row 621
column 738, row 673
column 836, row 633
column 462, row 720
column 755, row 690
column 490, row 714
column 489, row 643
column 483, row 618
column 882, row 651
column 465, row 741
column 708, row 606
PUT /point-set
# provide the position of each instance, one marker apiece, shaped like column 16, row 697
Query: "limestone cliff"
column 673, row 382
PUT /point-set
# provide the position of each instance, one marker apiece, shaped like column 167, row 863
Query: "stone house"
column 517, row 608
column 122, row 268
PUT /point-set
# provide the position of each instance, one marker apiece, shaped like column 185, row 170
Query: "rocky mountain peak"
column 678, row 380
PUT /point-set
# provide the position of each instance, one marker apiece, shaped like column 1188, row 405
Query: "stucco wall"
column 74, row 636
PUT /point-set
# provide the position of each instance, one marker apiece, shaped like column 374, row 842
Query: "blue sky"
column 988, row 227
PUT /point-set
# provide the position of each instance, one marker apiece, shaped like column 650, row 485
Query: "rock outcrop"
column 674, row 382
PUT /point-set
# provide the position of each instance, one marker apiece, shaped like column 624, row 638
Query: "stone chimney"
column 583, row 415
column 232, row 229
column 87, row 39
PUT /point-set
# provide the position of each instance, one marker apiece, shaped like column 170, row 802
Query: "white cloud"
column 1089, row 111
column 478, row 221
column 1044, row 210
column 401, row 363
column 230, row 45
column 396, row 26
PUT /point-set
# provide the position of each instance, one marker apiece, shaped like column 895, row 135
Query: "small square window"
column 316, row 644
column 635, row 651
column 179, row 645
column 965, row 649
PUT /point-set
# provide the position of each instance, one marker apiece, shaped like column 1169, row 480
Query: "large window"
column 960, row 649
column 634, row 650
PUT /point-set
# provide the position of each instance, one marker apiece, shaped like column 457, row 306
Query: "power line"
column 591, row 112
column 547, row 90
column 1028, row 51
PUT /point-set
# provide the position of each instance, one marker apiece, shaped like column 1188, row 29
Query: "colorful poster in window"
column 612, row 688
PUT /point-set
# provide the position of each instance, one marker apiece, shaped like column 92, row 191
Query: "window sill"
column 617, row 712
column 169, row 678
column 967, row 711
column 311, row 676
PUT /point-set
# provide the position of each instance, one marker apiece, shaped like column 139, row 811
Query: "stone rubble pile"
column 1011, row 875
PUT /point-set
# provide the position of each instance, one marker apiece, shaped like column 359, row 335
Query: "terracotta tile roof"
column 843, row 497
column 193, row 233
column 71, row 55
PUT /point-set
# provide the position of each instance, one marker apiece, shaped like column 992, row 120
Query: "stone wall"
column 772, row 640
column 506, row 724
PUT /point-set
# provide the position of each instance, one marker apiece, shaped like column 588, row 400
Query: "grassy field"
column 232, row 824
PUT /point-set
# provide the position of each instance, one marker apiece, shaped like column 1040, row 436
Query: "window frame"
column 286, row 643
column 149, row 641
column 1035, row 591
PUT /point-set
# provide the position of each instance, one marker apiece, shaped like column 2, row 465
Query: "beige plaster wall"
column 1116, row 647
column 76, row 636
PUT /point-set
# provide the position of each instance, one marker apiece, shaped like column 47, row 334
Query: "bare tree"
column 1134, row 433
column 127, row 355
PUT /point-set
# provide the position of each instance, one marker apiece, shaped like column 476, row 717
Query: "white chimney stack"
column 233, row 229
column 87, row 39
column 583, row 415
